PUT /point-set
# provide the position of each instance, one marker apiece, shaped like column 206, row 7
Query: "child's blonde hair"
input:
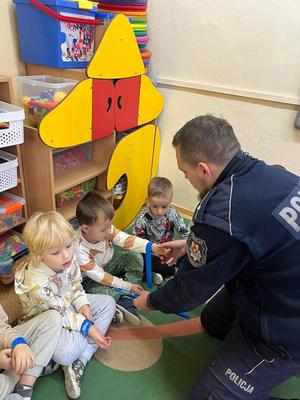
column 160, row 187
column 46, row 230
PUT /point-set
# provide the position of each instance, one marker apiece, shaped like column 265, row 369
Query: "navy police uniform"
column 246, row 236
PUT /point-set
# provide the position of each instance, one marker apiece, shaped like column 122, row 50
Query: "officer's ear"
column 205, row 169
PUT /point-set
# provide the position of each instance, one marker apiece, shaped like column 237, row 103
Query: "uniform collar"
column 233, row 166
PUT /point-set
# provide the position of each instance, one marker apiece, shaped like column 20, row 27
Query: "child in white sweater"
column 104, row 269
column 50, row 279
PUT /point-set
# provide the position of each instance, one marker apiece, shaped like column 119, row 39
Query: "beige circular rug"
column 131, row 355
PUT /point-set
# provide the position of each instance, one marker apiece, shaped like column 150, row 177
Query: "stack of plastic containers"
column 11, row 206
column 136, row 11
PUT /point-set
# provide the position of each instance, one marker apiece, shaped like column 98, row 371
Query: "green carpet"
column 170, row 378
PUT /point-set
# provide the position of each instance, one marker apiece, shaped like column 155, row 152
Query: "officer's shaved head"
column 206, row 139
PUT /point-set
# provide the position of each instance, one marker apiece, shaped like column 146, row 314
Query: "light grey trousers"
column 42, row 334
column 71, row 345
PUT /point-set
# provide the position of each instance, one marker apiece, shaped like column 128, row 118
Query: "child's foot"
column 14, row 396
column 168, row 277
column 118, row 317
column 130, row 313
column 157, row 278
column 73, row 374
column 51, row 367
column 24, row 391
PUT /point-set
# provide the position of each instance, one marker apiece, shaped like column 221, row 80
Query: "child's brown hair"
column 160, row 187
column 91, row 207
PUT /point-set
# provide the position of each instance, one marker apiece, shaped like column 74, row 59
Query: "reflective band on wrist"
column 149, row 265
column 85, row 327
column 17, row 341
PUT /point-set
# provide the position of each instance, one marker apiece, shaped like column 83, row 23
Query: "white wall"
column 235, row 59
column 9, row 46
column 216, row 56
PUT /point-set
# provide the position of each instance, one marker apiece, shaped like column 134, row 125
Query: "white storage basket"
column 11, row 124
column 8, row 170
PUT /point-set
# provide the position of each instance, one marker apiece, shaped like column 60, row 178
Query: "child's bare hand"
column 137, row 289
column 160, row 251
column 86, row 311
column 176, row 249
column 22, row 359
column 98, row 337
column 5, row 359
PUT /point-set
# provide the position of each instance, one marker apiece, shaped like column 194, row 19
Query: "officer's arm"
column 198, row 279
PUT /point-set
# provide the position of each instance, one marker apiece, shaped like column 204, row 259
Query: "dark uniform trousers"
column 244, row 367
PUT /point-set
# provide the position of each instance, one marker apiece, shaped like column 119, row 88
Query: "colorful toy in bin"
column 37, row 107
column 74, row 193
column 70, row 158
column 11, row 245
column 41, row 93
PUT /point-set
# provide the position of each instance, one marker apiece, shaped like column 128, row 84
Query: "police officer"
column 245, row 239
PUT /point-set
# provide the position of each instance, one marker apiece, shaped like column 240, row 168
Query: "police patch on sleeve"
column 196, row 251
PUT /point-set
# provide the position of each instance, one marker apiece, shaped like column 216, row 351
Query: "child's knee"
column 7, row 383
column 135, row 260
column 109, row 301
column 54, row 318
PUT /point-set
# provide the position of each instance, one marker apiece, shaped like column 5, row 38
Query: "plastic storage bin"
column 41, row 93
column 8, row 170
column 12, row 247
column 57, row 33
column 11, row 213
column 11, row 244
column 11, row 124
column 71, row 157
column 74, row 193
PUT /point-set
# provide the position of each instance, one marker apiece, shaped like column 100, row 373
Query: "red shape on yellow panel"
column 103, row 106
column 127, row 103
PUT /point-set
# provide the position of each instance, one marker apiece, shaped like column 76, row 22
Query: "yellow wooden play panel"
column 118, row 54
column 133, row 157
column 70, row 122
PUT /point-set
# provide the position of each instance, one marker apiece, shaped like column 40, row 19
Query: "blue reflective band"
column 126, row 293
column 149, row 265
column 183, row 314
column 17, row 341
column 85, row 327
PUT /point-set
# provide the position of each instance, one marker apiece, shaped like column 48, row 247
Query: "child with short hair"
column 50, row 279
column 157, row 223
column 24, row 351
column 101, row 266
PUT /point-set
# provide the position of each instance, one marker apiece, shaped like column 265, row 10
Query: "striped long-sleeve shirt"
column 93, row 257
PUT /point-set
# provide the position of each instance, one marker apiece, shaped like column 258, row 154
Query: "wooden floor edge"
column 184, row 212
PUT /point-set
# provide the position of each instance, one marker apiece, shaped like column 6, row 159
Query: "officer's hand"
column 177, row 249
column 160, row 251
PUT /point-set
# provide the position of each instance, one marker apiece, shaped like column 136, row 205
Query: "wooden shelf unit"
column 42, row 183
